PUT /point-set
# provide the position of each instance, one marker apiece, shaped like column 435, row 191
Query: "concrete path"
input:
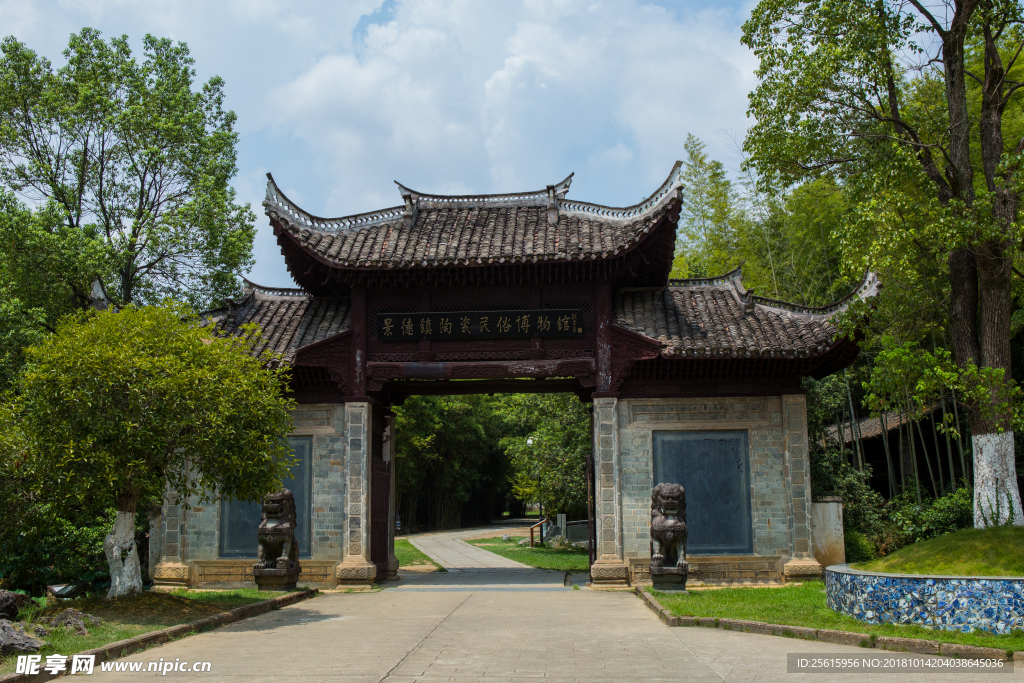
column 449, row 550
column 471, row 569
column 467, row 627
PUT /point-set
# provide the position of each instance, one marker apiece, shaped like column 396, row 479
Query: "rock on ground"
column 14, row 640
column 71, row 618
column 558, row 542
column 8, row 606
column 506, row 537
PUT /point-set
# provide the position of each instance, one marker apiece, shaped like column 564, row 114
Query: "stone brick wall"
column 202, row 531
column 776, row 429
column 325, row 424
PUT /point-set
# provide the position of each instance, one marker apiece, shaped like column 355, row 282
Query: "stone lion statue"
column 276, row 533
column 668, row 530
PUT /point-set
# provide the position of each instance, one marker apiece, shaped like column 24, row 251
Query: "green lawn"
column 131, row 616
column 998, row 551
column 567, row 559
column 804, row 605
column 409, row 555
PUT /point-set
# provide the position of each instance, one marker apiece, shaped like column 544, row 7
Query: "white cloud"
column 340, row 98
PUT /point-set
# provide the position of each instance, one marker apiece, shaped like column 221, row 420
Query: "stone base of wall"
column 715, row 570
column 171, row 575
column 237, row 573
column 609, row 574
column 355, row 572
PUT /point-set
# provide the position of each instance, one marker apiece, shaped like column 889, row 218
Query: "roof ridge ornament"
column 555, row 194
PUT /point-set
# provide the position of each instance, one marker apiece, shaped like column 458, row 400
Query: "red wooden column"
column 603, row 324
column 359, row 336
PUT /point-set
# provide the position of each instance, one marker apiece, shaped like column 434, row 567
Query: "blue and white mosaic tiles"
column 948, row 603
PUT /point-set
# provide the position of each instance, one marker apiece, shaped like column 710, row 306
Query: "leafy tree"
column 119, row 406
column 786, row 243
column 125, row 153
column 922, row 150
column 450, row 468
column 45, row 273
column 707, row 230
column 549, row 444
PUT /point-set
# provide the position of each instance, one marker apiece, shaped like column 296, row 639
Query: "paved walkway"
column 466, row 627
column 450, row 551
column 471, row 569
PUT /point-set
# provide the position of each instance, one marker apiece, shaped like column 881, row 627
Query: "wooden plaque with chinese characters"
column 480, row 325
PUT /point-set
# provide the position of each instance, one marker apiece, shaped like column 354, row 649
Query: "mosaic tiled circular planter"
column 952, row 603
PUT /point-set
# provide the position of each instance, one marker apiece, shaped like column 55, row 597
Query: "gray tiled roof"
column 691, row 318
column 288, row 318
column 437, row 230
column 719, row 318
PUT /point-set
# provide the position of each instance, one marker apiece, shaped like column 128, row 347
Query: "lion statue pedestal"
column 669, row 569
column 277, row 559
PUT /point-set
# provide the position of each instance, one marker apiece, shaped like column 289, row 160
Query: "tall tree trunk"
column 949, row 444
column 938, row 453
column 968, row 476
column 119, row 547
column 913, row 458
column 996, row 496
column 888, row 455
column 928, row 460
column 854, row 427
column 903, row 459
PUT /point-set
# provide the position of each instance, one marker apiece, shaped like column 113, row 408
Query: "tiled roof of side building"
column 288, row 318
column 717, row 317
column 439, row 230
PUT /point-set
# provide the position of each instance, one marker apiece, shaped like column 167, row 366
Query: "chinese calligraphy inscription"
column 480, row 324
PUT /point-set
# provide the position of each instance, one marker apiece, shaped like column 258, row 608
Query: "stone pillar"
column 356, row 568
column 171, row 571
column 801, row 564
column 610, row 569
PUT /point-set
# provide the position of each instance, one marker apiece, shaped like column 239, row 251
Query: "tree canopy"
column 116, row 405
column 907, row 111
column 126, row 154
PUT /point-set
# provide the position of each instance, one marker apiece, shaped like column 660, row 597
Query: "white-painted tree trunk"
column 123, row 557
column 996, row 497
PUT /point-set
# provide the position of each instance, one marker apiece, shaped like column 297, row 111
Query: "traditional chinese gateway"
column 692, row 381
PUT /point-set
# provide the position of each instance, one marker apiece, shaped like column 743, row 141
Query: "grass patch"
column 804, row 605
column 969, row 552
column 130, row 616
column 410, row 556
column 566, row 559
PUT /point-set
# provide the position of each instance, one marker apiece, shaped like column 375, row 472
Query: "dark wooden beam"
column 490, row 386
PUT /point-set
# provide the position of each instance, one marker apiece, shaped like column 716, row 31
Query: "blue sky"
column 339, row 99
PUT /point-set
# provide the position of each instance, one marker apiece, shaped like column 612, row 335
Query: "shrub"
column 858, row 547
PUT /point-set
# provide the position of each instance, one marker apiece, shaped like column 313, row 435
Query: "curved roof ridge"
column 551, row 197
column 734, row 274
column 251, row 287
column 667, row 189
column 868, row 287
column 530, row 198
column 277, row 202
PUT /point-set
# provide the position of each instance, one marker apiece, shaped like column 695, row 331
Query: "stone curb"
column 928, row 647
column 123, row 648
